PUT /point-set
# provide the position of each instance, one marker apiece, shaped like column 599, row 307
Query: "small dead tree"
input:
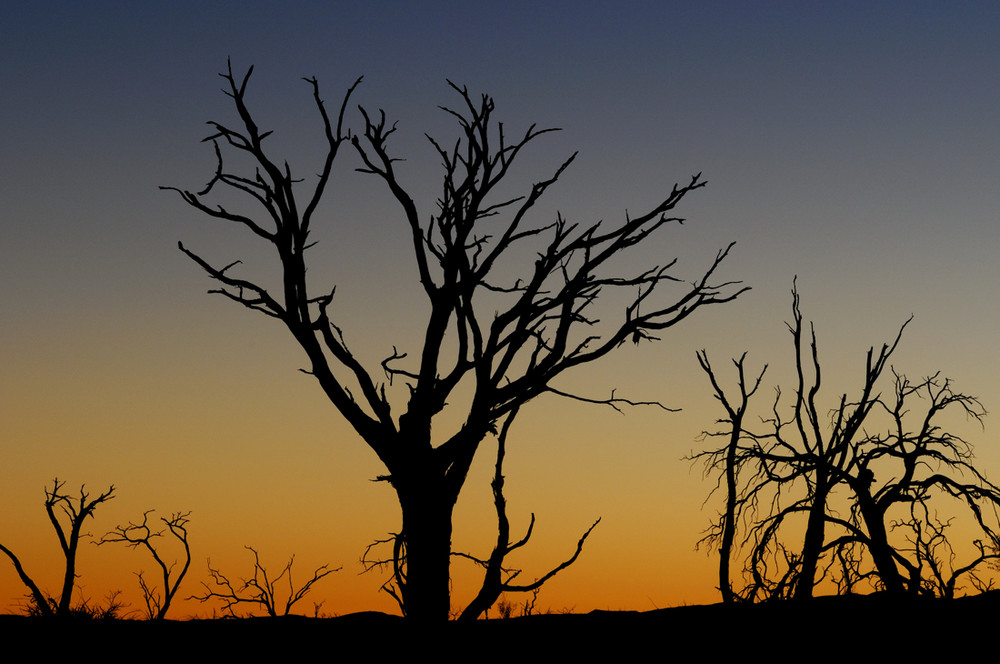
column 500, row 330
column 728, row 461
column 75, row 512
column 135, row 535
column 260, row 590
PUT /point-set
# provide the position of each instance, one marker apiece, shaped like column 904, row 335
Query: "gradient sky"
column 855, row 145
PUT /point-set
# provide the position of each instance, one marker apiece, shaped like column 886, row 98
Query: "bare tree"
column 803, row 449
column 135, row 535
column 259, row 590
column 729, row 461
column 893, row 464
column 503, row 341
column 885, row 451
column 75, row 512
column 798, row 451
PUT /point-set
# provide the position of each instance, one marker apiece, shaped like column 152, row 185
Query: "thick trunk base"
column 427, row 531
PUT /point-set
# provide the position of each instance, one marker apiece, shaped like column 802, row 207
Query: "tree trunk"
column 729, row 518
column 427, row 533
column 814, row 539
column 878, row 538
column 69, row 579
column 882, row 555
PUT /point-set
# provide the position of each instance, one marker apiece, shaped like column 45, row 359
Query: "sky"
column 851, row 145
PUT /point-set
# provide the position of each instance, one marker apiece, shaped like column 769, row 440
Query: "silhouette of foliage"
column 61, row 507
column 509, row 609
column 135, row 535
column 881, row 452
column 502, row 340
column 259, row 590
column 111, row 608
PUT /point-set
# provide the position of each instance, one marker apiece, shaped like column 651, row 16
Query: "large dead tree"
column 504, row 340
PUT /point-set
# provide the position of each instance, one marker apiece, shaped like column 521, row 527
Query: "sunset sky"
column 853, row 144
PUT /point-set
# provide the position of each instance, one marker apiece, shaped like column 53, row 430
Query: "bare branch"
column 396, row 583
column 613, row 401
column 497, row 578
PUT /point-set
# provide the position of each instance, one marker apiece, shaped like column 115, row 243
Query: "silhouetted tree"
column 729, row 461
column 259, row 590
column 802, row 450
column 799, row 451
column 868, row 445
column 75, row 512
column 136, row 535
column 499, row 339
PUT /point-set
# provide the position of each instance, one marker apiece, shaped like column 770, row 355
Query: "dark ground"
column 855, row 628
